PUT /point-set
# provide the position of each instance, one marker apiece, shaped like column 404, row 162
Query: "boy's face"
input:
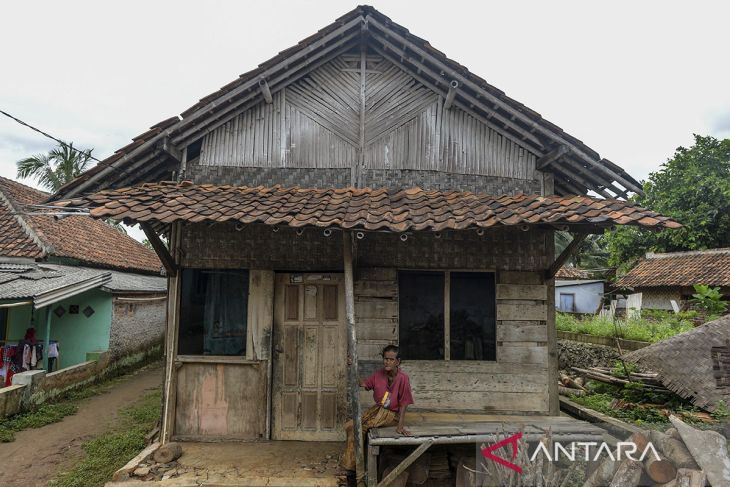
column 390, row 361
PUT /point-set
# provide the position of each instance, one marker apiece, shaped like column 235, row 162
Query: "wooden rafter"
column 552, row 156
column 162, row 252
column 565, row 254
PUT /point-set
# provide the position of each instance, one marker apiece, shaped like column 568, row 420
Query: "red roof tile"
column 710, row 267
column 352, row 208
column 76, row 237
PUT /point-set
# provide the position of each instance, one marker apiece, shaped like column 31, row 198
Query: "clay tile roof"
column 76, row 237
column 710, row 267
column 571, row 273
column 355, row 208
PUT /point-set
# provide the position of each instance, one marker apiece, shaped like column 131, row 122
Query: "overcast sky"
column 633, row 80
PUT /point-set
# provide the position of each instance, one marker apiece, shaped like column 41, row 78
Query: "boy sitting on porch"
column 392, row 394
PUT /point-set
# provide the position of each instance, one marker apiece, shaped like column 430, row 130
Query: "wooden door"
column 309, row 388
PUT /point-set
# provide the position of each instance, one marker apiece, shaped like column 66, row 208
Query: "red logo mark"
column 512, row 440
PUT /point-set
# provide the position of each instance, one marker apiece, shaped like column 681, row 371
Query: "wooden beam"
column 171, row 150
column 353, row 378
column 453, row 86
column 160, row 249
column 407, row 462
column 169, row 398
column 551, row 157
column 565, row 254
column 265, row 91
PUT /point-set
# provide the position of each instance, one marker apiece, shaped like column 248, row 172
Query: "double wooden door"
column 309, row 379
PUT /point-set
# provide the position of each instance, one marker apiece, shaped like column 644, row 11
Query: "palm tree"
column 60, row 166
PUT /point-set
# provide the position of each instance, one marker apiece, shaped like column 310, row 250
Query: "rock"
column 141, row 471
column 585, row 355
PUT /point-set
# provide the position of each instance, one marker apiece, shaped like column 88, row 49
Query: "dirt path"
column 38, row 455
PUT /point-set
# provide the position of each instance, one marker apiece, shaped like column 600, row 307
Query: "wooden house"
column 356, row 190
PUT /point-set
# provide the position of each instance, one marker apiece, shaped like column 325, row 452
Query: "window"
column 425, row 320
column 213, row 312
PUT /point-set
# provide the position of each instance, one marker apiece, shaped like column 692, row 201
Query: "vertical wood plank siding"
column 314, row 123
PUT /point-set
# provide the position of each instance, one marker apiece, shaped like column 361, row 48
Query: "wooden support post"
column 266, row 92
column 173, row 314
column 352, row 372
column 160, row 249
column 565, row 255
column 406, row 463
column 453, row 86
column 48, row 338
column 373, row 452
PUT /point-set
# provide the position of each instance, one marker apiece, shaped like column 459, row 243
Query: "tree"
column 693, row 187
column 60, row 166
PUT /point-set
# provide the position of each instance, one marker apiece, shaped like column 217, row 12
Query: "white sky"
column 633, row 80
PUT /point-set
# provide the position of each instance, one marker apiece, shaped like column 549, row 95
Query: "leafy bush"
column 709, row 299
column 643, row 329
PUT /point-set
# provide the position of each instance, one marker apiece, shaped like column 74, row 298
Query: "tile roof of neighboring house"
column 710, row 267
column 567, row 272
column 75, row 237
column 352, row 208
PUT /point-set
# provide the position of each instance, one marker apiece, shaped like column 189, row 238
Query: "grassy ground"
column 652, row 327
column 109, row 452
column 55, row 411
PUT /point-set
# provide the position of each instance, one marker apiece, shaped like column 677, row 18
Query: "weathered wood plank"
column 509, row 312
column 517, row 277
column 376, row 308
column 521, row 291
column 508, row 353
column 479, row 401
column 508, row 331
column 379, row 289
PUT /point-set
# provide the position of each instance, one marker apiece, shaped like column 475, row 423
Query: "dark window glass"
column 421, row 310
column 3, row 323
column 473, row 320
column 213, row 312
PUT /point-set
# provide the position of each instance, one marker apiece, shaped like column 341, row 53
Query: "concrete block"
column 28, row 378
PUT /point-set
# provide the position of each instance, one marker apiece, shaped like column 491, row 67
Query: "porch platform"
column 427, row 429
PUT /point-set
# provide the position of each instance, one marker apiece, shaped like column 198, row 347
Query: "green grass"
column 55, row 411
column 652, row 327
column 109, row 452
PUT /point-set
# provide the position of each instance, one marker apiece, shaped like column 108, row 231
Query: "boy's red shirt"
column 399, row 393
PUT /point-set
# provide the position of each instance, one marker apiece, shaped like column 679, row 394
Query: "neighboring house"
column 77, row 281
column 663, row 278
column 576, row 292
column 359, row 188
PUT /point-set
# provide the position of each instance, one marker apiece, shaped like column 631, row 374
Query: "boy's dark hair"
column 392, row 348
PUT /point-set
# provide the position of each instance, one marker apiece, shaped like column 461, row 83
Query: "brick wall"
column 135, row 324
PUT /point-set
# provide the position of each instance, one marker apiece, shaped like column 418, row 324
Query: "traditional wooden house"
column 356, row 190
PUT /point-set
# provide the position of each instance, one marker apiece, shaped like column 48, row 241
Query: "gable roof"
column 710, row 267
column 359, row 208
column 75, row 237
column 155, row 154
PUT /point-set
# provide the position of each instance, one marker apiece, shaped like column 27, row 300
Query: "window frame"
column 560, row 302
column 246, row 358
column 447, row 310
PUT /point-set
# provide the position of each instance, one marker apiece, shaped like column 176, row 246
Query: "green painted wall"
column 19, row 320
column 76, row 334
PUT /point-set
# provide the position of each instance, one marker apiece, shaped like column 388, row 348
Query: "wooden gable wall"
column 408, row 137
